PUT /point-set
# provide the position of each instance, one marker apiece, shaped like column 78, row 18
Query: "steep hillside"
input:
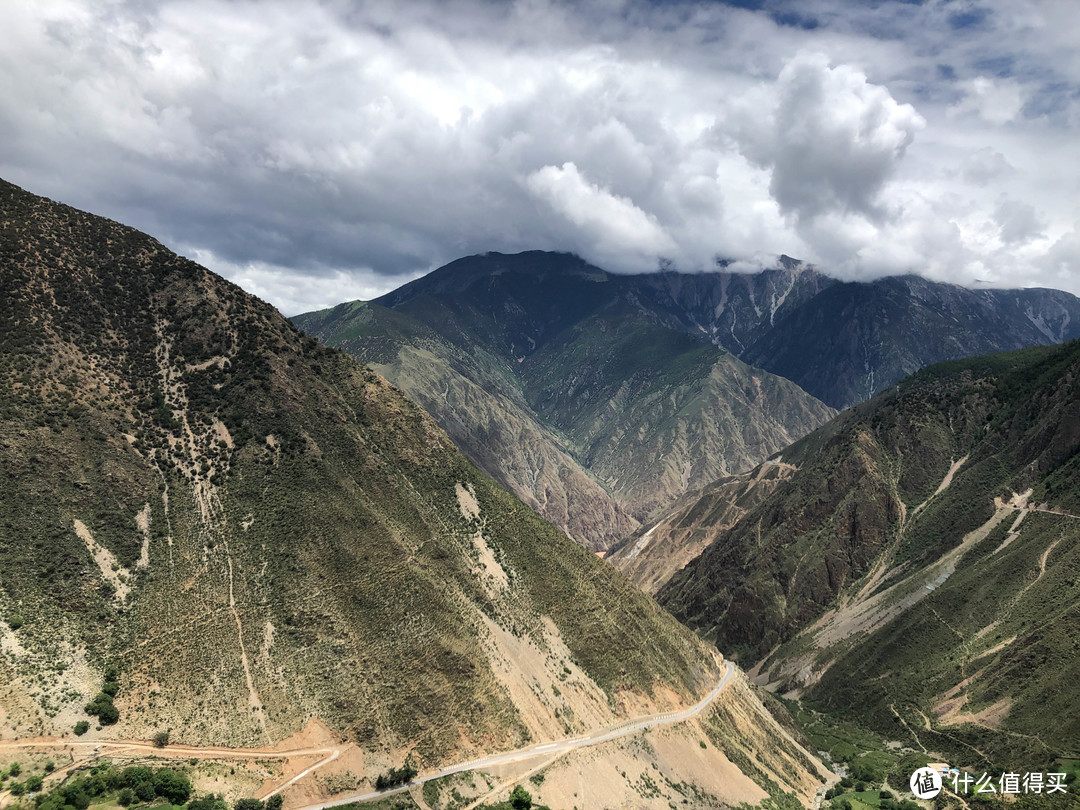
column 478, row 401
column 913, row 559
column 222, row 528
column 555, row 380
column 653, row 554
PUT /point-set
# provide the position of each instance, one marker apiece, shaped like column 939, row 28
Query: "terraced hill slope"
column 915, row 559
column 227, row 529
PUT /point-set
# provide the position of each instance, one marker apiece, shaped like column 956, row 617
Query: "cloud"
column 612, row 226
column 832, row 141
column 997, row 101
column 1019, row 222
column 986, row 165
column 317, row 150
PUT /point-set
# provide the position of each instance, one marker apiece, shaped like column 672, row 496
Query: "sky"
column 316, row 152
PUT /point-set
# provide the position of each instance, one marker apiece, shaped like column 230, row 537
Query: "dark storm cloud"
column 320, row 150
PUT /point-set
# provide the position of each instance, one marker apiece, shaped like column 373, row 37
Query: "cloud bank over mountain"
column 315, row 151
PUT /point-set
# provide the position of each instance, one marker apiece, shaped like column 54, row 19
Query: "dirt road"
column 544, row 749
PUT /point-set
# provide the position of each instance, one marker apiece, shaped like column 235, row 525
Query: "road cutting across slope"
column 544, row 749
column 331, row 753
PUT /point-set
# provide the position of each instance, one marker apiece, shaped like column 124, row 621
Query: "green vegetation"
column 862, row 751
column 102, row 706
column 129, row 787
column 519, row 799
column 272, row 803
column 209, row 802
column 396, row 776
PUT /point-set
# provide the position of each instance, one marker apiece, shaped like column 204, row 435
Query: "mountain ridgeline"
column 246, row 530
column 551, row 376
column 912, row 562
column 600, row 399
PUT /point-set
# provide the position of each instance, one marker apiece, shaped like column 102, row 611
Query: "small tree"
column 145, row 792
column 81, row 728
column 520, row 798
column 108, row 715
column 275, row 802
column 15, row 769
column 125, row 797
column 172, row 785
column 161, row 739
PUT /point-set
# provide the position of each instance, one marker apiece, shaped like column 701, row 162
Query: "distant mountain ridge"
column 568, row 390
column 597, row 397
column 846, row 341
column 842, row 341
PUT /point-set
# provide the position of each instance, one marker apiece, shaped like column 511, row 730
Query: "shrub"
column 161, row 739
column 210, row 802
column 15, row 769
column 33, row 783
column 172, row 785
column 108, row 715
column 125, row 797
column 396, row 776
column 248, row 804
column 275, row 802
column 145, row 791
column 520, row 798
column 81, row 728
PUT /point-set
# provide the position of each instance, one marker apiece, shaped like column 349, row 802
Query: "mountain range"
column 600, row 399
column 554, row 379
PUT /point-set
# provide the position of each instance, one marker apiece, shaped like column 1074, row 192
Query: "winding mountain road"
column 544, row 749
column 331, row 753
